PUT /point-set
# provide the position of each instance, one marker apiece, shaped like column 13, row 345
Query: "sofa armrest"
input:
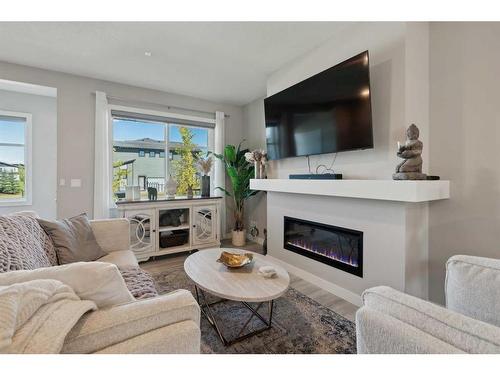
column 112, row 234
column 107, row 327
column 457, row 330
column 378, row 333
column 473, row 287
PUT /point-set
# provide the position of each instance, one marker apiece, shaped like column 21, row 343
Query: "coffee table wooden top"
column 237, row 284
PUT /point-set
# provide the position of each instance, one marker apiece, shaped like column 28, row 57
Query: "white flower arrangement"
column 205, row 165
column 259, row 156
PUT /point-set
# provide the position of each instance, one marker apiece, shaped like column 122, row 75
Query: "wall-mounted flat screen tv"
column 326, row 113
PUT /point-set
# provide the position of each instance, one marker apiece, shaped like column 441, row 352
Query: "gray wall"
column 75, row 116
column 44, row 149
column 255, row 135
column 386, row 44
column 465, row 143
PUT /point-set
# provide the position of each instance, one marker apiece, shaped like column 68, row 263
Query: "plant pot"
column 205, row 186
column 239, row 237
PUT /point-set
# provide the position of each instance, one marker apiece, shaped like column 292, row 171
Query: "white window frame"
column 27, row 200
column 211, row 133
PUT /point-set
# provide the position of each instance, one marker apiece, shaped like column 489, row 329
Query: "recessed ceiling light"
column 147, row 53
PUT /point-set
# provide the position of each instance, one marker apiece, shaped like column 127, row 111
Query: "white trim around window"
column 167, row 115
column 27, row 199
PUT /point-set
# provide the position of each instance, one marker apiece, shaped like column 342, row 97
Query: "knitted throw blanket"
column 139, row 282
column 36, row 316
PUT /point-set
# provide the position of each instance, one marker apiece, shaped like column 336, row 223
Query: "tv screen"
column 326, row 113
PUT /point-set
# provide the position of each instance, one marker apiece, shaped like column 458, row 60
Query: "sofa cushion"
column 73, row 239
column 472, row 287
column 24, row 245
column 123, row 259
column 95, row 281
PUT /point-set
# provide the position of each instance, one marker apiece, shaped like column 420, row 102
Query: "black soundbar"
column 324, row 176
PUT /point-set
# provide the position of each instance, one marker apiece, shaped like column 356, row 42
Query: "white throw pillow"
column 95, row 281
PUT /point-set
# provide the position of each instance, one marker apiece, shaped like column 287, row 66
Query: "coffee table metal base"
column 209, row 314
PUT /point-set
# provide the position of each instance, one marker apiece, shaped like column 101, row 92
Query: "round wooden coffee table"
column 244, row 285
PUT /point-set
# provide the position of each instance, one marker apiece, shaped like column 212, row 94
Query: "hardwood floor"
column 327, row 299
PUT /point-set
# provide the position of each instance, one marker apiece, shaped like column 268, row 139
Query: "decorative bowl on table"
column 233, row 260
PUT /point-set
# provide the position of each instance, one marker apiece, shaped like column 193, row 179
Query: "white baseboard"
column 349, row 296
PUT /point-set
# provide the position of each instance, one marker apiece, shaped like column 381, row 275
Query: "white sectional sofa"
column 162, row 324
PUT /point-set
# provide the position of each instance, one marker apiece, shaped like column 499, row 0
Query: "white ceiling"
column 222, row 62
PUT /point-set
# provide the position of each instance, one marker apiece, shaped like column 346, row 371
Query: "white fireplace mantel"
column 388, row 190
column 393, row 216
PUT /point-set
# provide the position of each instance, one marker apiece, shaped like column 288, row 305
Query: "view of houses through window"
column 12, row 158
column 146, row 153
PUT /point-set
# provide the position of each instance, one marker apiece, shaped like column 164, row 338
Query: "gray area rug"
column 300, row 324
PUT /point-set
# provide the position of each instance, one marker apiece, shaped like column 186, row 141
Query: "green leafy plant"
column 118, row 175
column 240, row 171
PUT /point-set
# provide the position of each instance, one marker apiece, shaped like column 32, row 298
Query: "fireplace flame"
column 326, row 252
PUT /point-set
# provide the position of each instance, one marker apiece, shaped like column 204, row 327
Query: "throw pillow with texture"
column 73, row 239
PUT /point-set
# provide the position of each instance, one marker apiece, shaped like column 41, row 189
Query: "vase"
column 256, row 169
column 171, row 187
column 132, row 193
column 205, row 186
column 190, row 192
column 238, row 238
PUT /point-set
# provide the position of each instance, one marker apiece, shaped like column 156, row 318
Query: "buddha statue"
column 411, row 166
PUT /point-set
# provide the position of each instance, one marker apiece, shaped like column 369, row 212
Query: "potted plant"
column 240, row 171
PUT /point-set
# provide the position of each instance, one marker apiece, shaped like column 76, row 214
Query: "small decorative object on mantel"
column 411, row 167
column 152, row 193
column 205, row 166
column 171, row 187
column 232, row 260
column 259, row 158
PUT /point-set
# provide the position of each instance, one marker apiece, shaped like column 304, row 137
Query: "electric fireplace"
column 339, row 247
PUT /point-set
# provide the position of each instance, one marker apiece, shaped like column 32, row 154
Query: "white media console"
column 171, row 226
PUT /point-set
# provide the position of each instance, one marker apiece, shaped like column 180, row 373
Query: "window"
column 178, row 146
column 15, row 152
